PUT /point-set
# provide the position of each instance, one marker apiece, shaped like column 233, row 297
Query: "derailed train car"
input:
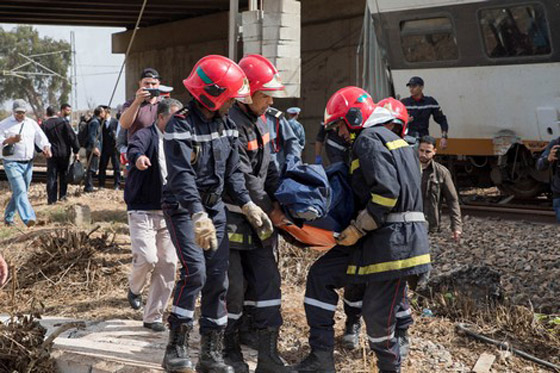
column 494, row 67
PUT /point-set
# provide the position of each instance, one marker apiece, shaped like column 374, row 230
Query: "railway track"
column 531, row 213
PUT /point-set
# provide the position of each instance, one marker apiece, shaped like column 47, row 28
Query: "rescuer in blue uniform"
column 385, row 243
column 202, row 159
column 420, row 108
column 252, row 259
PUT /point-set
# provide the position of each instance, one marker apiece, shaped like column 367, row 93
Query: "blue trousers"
column 384, row 308
column 556, row 206
column 19, row 176
column 203, row 272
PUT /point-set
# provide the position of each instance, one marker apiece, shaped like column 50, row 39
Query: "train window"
column 515, row 31
column 428, row 40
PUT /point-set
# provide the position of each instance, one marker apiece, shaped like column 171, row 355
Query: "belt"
column 210, row 199
column 406, row 217
column 234, row 208
column 23, row 162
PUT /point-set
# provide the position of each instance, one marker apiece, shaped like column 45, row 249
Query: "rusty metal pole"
column 233, row 29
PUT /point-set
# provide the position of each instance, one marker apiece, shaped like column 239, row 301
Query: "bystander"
column 549, row 160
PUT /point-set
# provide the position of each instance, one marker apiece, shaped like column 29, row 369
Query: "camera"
column 557, row 153
column 154, row 92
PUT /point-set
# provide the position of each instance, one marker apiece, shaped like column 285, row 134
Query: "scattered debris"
column 484, row 363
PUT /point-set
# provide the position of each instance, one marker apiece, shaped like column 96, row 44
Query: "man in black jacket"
column 549, row 158
column 93, row 146
column 252, row 254
column 152, row 249
column 109, row 152
column 63, row 139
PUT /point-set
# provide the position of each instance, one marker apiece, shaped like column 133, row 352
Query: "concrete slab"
column 116, row 346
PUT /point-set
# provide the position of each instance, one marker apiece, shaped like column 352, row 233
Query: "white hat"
column 293, row 110
column 380, row 115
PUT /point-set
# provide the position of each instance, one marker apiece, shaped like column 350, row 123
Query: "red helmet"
column 263, row 75
column 216, row 79
column 351, row 104
column 398, row 110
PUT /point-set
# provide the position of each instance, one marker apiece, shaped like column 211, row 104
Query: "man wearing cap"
column 420, row 108
column 19, row 135
column 297, row 127
column 141, row 111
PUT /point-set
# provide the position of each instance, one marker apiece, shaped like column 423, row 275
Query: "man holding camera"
column 549, row 158
column 141, row 112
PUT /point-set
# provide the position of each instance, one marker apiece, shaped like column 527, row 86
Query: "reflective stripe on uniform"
column 422, row 107
column 200, row 138
column 355, row 165
column 381, row 339
column 254, row 144
column 319, row 304
column 390, row 266
column 235, row 237
column 249, row 303
column 357, row 304
column 402, row 314
column 234, row 316
column 396, row 144
column 182, row 312
column 336, row 145
column 383, row 201
column 267, row 303
column 220, row 321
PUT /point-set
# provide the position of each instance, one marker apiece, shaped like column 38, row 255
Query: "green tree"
column 33, row 81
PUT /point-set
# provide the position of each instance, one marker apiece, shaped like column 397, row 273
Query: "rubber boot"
column 269, row 361
column 176, row 359
column 351, row 337
column 404, row 343
column 232, row 352
column 318, row 361
column 211, row 358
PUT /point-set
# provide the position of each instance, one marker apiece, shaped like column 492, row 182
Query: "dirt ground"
column 91, row 283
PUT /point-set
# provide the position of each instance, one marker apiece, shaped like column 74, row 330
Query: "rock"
column 79, row 215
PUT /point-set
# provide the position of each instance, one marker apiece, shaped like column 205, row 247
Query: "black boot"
column 318, row 361
column 176, row 359
column 269, row 360
column 351, row 337
column 247, row 332
column 211, row 358
column 232, row 352
column 404, row 343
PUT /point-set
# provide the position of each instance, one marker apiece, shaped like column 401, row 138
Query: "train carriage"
column 494, row 67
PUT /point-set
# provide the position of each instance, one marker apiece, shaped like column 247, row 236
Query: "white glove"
column 204, row 231
column 258, row 219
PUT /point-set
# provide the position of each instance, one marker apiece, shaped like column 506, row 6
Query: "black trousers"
column 91, row 170
column 254, row 281
column 57, row 171
column 203, row 272
column 106, row 156
column 382, row 302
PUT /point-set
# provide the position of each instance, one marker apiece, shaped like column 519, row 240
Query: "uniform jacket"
column 202, row 160
column 142, row 190
column 109, row 134
column 337, row 148
column 261, row 174
column 440, row 184
column 62, row 137
column 386, row 179
column 420, row 112
column 543, row 164
column 282, row 138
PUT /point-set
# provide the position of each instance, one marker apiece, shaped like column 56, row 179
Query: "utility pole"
column 74, row 73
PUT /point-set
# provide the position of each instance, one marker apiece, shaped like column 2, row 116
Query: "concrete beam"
column 184, row 32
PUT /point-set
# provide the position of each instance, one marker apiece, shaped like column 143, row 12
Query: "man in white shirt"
column 18, row 136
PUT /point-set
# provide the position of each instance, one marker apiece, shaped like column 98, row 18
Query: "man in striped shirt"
column 420, row 108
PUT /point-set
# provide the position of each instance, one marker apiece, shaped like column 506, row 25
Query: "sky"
column 97, row 67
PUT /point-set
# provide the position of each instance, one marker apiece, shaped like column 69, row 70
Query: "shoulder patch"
column 274, row 112
column 183, row 113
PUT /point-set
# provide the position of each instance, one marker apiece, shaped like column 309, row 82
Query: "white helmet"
column 380, row 115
